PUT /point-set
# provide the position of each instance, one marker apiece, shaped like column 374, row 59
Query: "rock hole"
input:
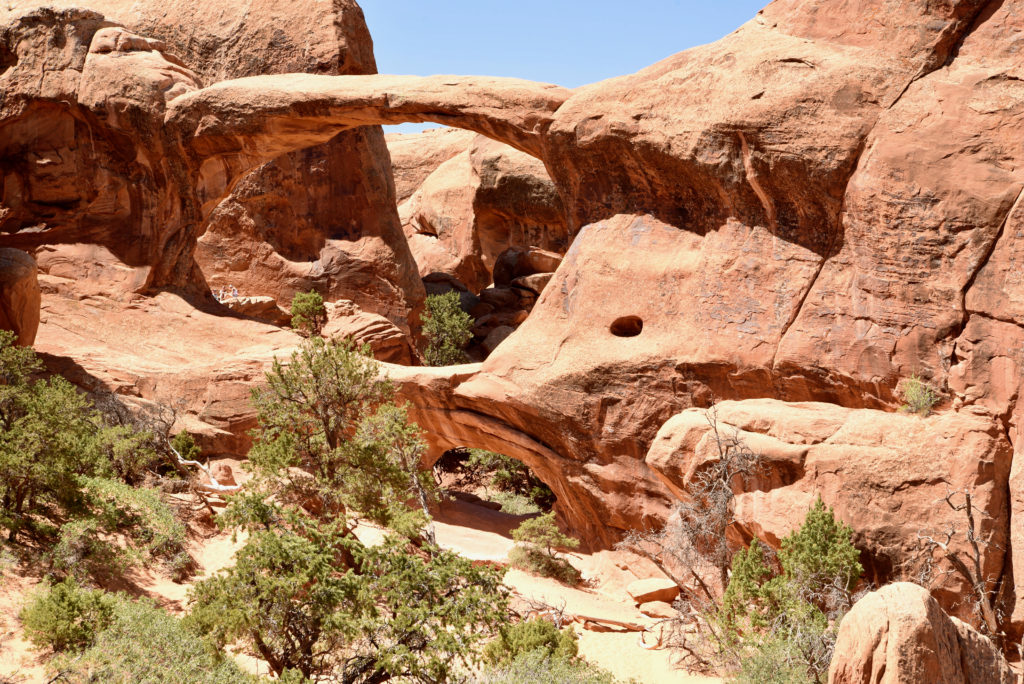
column 8, row 58
column 627, row 326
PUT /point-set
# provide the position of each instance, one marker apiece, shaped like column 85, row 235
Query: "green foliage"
column 745, row 590
column 537, row 667
column 536, row 540
column 139, row 642
column 542, row 533
column 308, row 313
column 186, row 446
column 329, row 440
column 319, row 602
column 821, row 553
column 529, row 635
column 514, row 504
column 66, row 616
column 447, row 328
column 523, row 491
column 778, row 625
column 65, row 473
column 305, row 594
column 284, row 589
column 540, row 563
column 919, row 397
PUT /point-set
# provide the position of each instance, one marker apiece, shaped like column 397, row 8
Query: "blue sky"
column 568, row 42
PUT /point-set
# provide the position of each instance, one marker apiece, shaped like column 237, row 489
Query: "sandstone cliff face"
column 319, row 218
column 86, row 156
column 19, row 295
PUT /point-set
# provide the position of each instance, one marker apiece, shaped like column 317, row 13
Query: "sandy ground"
column 473, row 531
column 480, row 533
column 18, row 661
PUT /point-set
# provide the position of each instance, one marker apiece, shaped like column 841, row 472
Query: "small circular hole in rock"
column 627, row 326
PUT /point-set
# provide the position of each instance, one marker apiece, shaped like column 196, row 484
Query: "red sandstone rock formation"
column 885, row 474
column 899, row 635
column 476, row 204
column 321, row 217
column 791, row 212
column 415, row 156
column 19, row 295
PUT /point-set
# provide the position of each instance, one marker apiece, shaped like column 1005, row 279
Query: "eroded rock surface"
column 899, row 635
column 476, row 204
column 885, row 474
column 320, row 218
column 19, row 295
column 813, row 208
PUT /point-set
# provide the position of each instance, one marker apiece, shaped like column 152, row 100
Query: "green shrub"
column 322, row 603
column 511, row 476
column 66, row 616
column 66, row 469
column 775, row 660
column 186, row 446
column 537, row 667
column 514, row 504
column 142, row 643
column 530, row 635
column 782, row 629
column 308, row 313
column 542, row 533
column 447, row 328
column 536, row 540
column 821, row 553
column 540, row 563
column 918, row 396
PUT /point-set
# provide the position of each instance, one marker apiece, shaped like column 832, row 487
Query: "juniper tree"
column 447, row 329
column 305, row 593
column 67, row 475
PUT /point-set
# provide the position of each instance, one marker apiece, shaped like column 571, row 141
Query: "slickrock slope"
column 473, row 206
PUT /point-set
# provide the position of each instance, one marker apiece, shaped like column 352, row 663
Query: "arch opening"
column 494, row 481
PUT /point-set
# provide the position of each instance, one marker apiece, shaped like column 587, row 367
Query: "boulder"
column 19, row 295
column 476, row 204
column 658, row 609
column 496, row 336
column 653, row 589
column 535, row 282
column 387, row 341
column 262, row 308
column 519, row 261
column 899, row 635
column 885, row 474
